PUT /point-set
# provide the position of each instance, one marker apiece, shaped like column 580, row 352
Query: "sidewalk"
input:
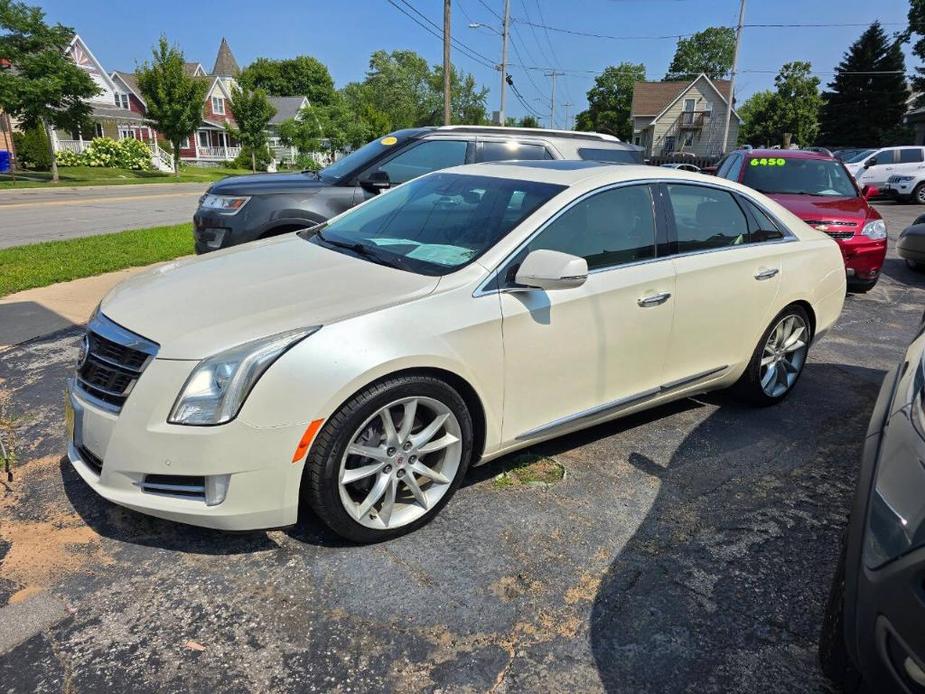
column 39, row 312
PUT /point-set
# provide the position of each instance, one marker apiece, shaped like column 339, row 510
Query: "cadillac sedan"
column 362, row 366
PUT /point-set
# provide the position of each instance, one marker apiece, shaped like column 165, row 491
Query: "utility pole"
column 505, row 29
column 732, row 77
column 447, row 64
column 568, row 122
column 552, row 103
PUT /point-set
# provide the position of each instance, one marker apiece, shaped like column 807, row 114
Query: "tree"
column 529, row 122
column 398, row 85
column 252, row 113
column 609, row 101
column 797, row 102
column 468, row 102
column 299, row 76
column 174, row 99
column 865, row 109
column 45, row 88
column 757, row 127
column 709, row 51
column 916, row 19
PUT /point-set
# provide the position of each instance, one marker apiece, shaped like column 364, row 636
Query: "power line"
column 437, row 31
column 488, row 7
column 552, row 49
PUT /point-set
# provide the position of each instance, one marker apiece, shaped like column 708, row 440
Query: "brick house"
column 685, row 116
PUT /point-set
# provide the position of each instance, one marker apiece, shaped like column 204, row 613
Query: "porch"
column 214, row 144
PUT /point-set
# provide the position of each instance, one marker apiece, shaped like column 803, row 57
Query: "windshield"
column 435, row 224
column 823, row 177
column 854, row 156
column 354, row 160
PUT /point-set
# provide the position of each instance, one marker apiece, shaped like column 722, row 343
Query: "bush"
column 68, row 158
column 305, row 162
column 32, row 149
column 243, row 160
column 108, row 153
column 134, row 154
column 101, row 152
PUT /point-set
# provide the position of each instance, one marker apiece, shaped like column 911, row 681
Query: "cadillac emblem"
column 83, row 352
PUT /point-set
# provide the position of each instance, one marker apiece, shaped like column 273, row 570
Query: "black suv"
column 244, row 208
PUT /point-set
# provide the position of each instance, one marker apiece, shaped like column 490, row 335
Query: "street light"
column 505, row 24
column 479, row 25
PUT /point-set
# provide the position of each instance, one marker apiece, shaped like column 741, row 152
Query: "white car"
column 876, row 167
column 362, row 366
column 682, row 166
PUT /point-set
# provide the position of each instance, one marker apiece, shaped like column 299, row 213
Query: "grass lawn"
column 97, row 176
column 41, row 264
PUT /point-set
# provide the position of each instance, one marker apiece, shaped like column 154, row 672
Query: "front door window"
column 423, row 158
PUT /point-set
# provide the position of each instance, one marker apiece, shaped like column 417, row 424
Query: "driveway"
column 687, row 549
column 32, row 215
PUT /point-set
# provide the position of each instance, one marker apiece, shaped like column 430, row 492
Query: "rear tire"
column 913, row 265
column 778, row 360
column 389, row 459
column 833, row 650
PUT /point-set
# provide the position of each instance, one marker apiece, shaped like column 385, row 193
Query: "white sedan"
column 362, row 366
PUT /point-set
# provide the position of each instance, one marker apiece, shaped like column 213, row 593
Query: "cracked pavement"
column 689, row 548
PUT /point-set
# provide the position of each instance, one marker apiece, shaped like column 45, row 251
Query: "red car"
column 819, row 190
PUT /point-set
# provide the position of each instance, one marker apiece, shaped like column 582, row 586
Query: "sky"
column 343, row 34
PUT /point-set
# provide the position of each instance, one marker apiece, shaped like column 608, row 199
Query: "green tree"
column 46, row 89
column 757, row 128
column 529, row 122
column 864, row 109
column 709, row 51
column 609, row 101
column 174, row 99
column 252, row 113
column 299, row 76
column 398, row 84
column 916, row 18
column 797, row 102
column 468, row 101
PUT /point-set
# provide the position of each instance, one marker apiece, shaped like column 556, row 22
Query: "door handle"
column 766, row 274
column 654, row 300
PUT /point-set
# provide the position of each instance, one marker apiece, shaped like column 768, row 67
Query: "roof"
column 131, row 81
column 116, row 113
column 192, row 68
column 286, row 107
column 785, row 154
column 225, row 64
column 651, row 98
column 546, row 132
column 570, row 172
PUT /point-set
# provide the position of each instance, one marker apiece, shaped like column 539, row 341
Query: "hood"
column 199, row 306
column 267, row 184
column 818, row 208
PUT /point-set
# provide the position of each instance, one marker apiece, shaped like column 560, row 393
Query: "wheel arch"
column 283, row 229
column 808, row 307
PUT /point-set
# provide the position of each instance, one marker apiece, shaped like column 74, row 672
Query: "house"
column 287, row 107
column 683, row 116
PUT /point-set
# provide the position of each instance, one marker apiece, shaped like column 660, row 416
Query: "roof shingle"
column 651, row 98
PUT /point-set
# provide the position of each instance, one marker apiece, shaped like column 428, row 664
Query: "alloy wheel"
column 400, row 462
column 784, row 355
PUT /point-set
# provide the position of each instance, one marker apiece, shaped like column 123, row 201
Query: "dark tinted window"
column 425, row 157
column 617, row 156
column 884, row 157
column 611, row 228
column 503, row 151
column 706, row 218
column 820, row 177
column 434, row 224
column 764, row 229
column 909, row 155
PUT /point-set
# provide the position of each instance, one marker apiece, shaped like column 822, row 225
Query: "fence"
column 678, row 158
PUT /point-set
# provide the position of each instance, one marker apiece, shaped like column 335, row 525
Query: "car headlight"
column 875, row 230
column 904, row 179
column 218, row 386
column 230, row 204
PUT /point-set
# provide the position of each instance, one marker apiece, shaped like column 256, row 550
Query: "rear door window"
column 706, row 218
column 511, row 151
column 616, row 156
column 910, row 155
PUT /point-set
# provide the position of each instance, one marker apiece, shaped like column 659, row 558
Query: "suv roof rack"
column 600, row 137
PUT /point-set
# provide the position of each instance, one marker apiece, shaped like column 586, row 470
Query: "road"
column 689, row 548
column 32, row 215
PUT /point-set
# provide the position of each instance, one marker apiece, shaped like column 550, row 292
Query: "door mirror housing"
column 545, row 269
column 870, row 192
column 870, row 162
column 376, row 181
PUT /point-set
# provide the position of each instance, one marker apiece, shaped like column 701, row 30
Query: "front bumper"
column 884, row 607
column 119, row 454
column 863, row 258
column 911, row 247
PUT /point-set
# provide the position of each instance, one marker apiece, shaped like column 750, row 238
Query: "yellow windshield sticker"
column 769, row 161
column 390, row 140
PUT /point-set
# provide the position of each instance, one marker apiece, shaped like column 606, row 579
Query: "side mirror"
column 377, row 180
column 544, row 269
column 869, row 163
column 870, row 192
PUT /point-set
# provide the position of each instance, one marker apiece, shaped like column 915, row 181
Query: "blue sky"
column 343, row 34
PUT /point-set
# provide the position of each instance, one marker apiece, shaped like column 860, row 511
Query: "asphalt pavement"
column 689, row 548
column 33, row 215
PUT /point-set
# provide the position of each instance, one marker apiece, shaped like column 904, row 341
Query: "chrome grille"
column 111, row 362
column 836, row 228
column 188, row 486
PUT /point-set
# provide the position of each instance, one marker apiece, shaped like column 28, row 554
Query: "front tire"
column 778, row 360
column 389, row 459
column 833, row 651
column 918, row 195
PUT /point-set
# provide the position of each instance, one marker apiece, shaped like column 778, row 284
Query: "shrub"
column 134, row 154
column 32, row 149
column 102, row 152
column 305, row 162
column 243, row 160
column 68, row 158
column 123, row 154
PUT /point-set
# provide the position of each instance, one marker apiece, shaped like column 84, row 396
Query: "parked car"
column 911, row 244
column 873, row 628
column 877, row 167
column 361, row 367
column 682, row 166
column 819, row 150
column 819, row 190
column 852, row 154
column 245, row 208
column 906, row 187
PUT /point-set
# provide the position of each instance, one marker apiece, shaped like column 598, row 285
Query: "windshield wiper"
column 368, row 252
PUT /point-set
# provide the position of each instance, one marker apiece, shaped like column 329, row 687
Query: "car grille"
column 837, row 229
column 187, row 486
column 92, row 461
column 111, row 362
